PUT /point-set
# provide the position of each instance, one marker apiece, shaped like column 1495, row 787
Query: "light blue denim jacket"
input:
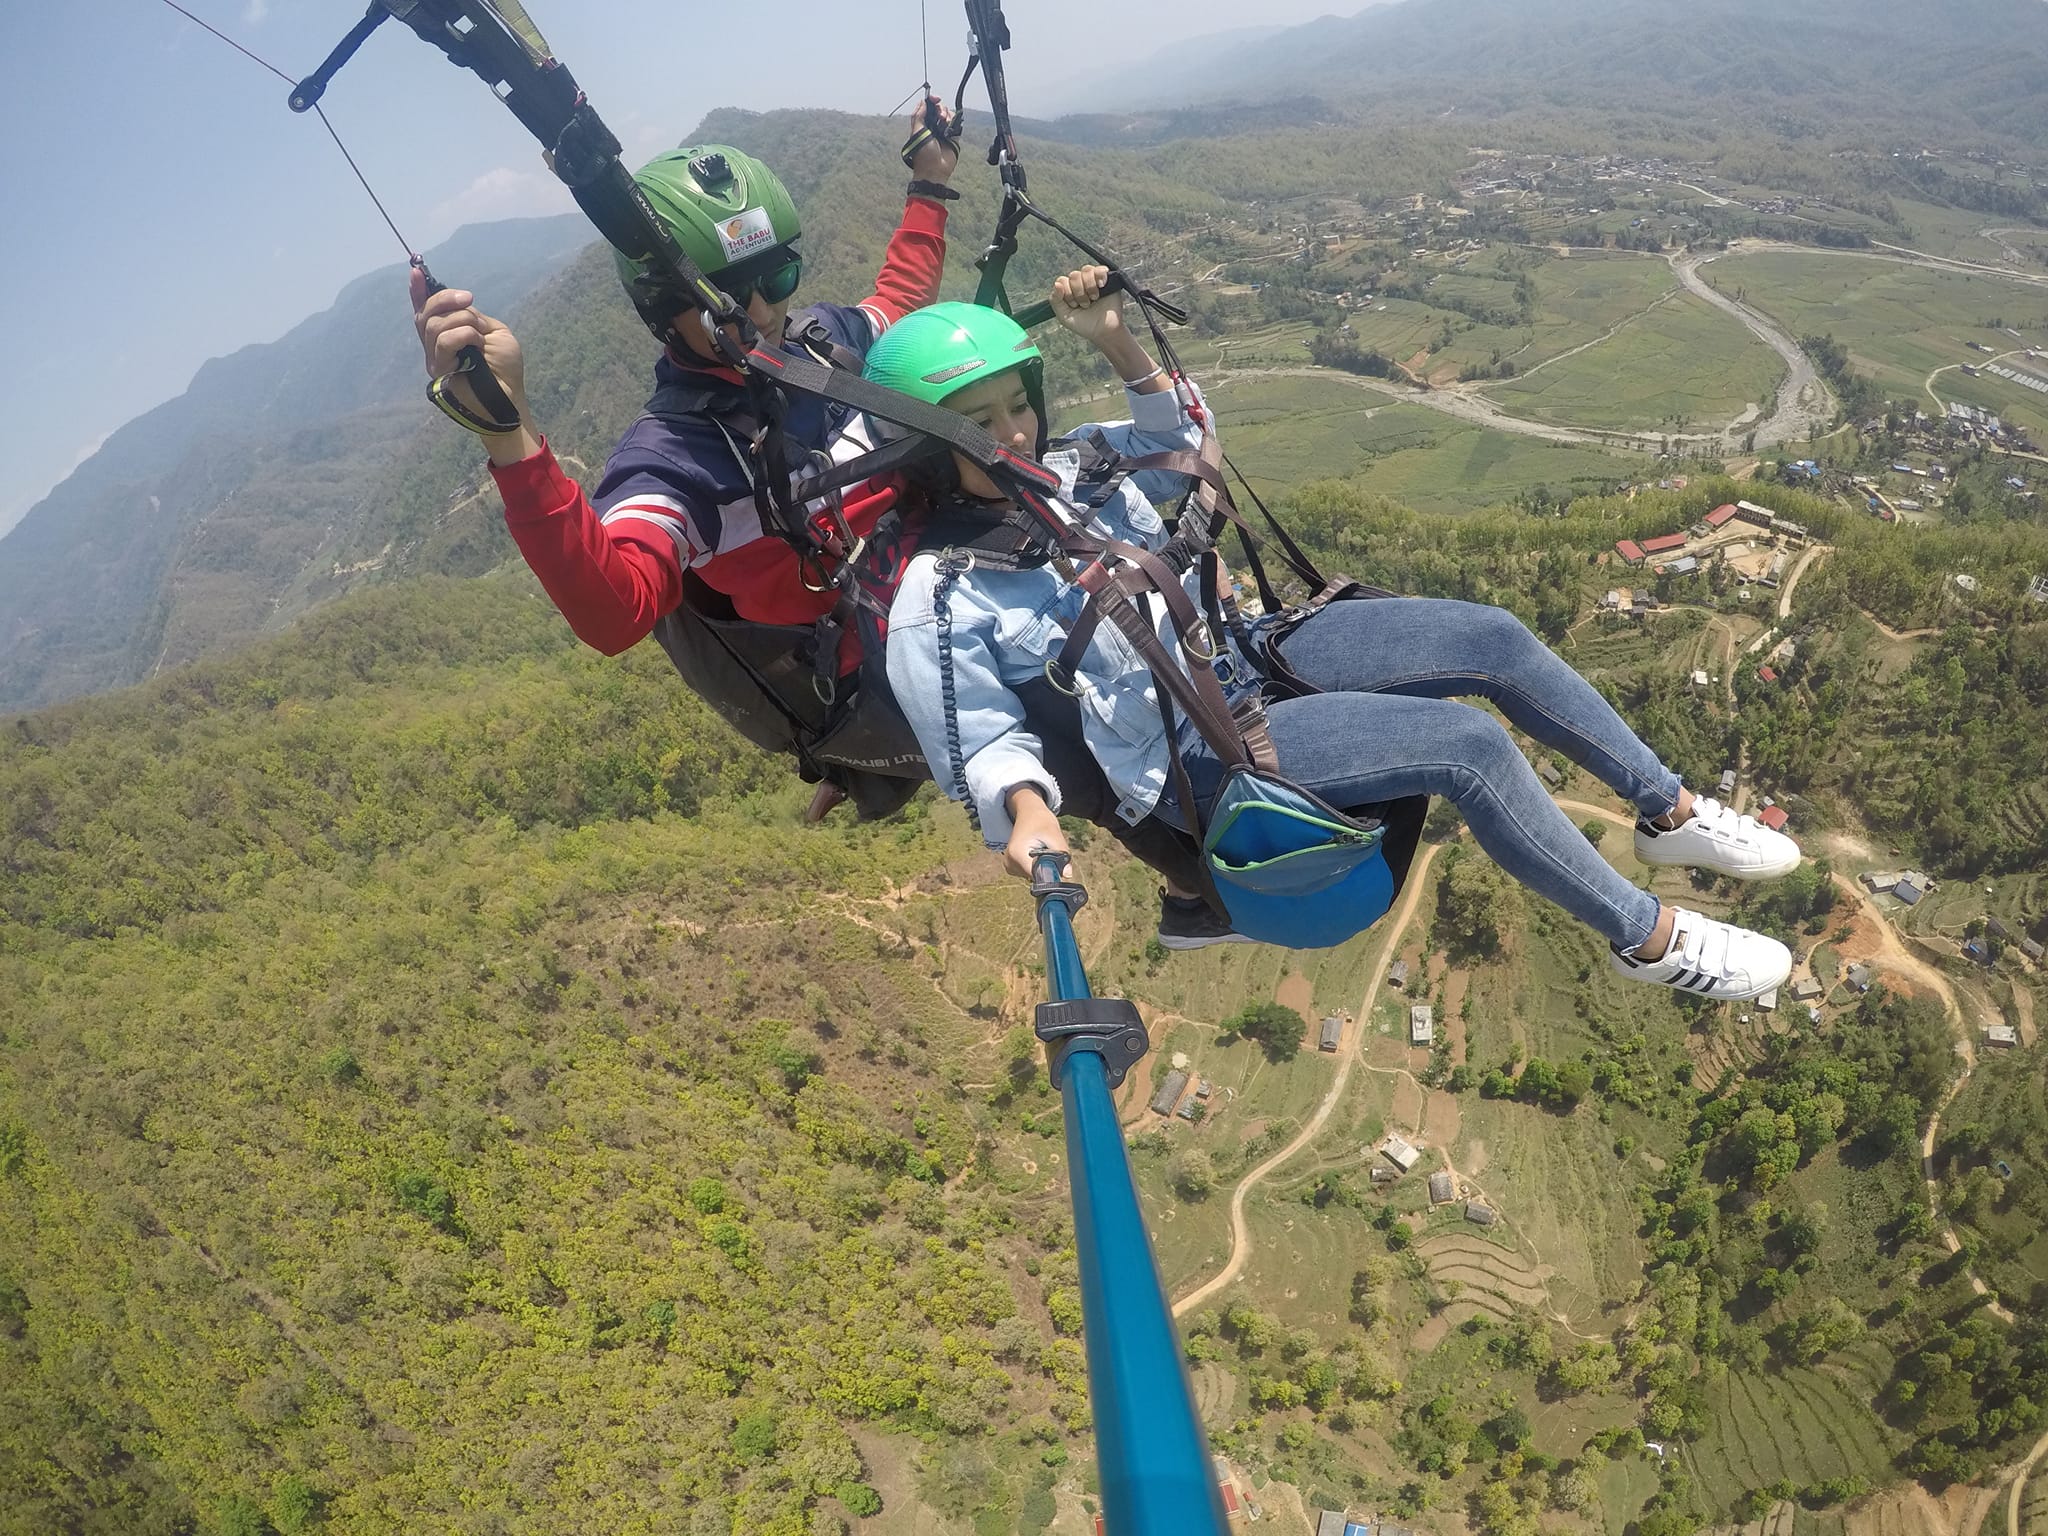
column 1007, row 624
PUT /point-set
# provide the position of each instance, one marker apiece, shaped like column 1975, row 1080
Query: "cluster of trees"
column 1277, row 1028
column 1477, row 905
column 1330, row 348
column 1859, row 395
column 1559, row 1087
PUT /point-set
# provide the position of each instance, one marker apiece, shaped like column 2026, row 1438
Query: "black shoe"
column 1187, row 922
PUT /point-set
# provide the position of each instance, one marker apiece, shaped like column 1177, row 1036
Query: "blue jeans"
column 1385, row 727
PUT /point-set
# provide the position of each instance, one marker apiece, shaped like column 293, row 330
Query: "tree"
column 754, row 1436
column 1192, row 1173
column 1275, row 1026
column 1476, row 905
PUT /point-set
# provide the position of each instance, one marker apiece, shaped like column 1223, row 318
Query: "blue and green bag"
column 1290, row 870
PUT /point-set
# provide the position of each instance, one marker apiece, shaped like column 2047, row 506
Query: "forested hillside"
column 415, row 1058
column 190, row 527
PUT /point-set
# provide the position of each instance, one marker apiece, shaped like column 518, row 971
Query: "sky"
column 162, row 206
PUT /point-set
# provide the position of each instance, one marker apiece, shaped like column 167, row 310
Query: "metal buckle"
column 803, row 576
column 1196, row 651
column 1050, row 663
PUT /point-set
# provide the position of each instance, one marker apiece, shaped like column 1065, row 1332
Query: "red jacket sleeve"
column 911, row 269
column 611, row 581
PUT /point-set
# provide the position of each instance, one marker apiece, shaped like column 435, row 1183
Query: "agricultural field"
column 1284, row 432
column 1962, row 234
column 1682, row 365
column 1900, row 323
column 1799, row 1425
column 2002, row 1116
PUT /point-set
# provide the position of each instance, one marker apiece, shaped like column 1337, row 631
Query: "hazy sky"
column 162, row 206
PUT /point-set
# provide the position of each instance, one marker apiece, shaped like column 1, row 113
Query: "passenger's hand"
column 1079, row 304
column 938, row 155
column 1035, row 831
column 447, row 322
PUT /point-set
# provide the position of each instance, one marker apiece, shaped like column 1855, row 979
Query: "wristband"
column 1145, row 378
column 936, row 190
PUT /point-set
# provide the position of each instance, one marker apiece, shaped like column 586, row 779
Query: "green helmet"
column 937, row 351
column 729, row 213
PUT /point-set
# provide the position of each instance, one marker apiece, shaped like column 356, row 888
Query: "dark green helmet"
column 937, row 351
column 729, row 213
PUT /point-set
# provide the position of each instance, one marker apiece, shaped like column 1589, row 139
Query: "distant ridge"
column 1973, row 65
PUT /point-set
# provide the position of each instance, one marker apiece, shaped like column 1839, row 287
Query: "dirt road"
column 1813, row 553
column 1240, row 1232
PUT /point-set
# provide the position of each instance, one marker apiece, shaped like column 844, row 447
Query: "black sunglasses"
column 773, row 285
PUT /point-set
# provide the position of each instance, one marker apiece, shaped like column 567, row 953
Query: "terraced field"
column 1728, row 1042
column 1490, row 1278
column 2034, row 1506
column 1801, row 1425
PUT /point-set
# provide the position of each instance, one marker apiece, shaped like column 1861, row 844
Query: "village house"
column 1774, row 817
column 1858, row 977
column 1168, row 1093
column 1332, row 1035
column 1480, row 1215
column 2002, row 1035
column 1397, row 974
column 1398, row 1151
column 1421, row 1024
column 1442, row 1188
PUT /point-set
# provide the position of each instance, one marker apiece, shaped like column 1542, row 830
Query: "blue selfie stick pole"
column 1157, row 1476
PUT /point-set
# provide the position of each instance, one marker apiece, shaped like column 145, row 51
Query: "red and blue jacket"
column 676, row 493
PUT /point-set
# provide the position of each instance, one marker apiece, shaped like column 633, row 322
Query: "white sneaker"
column 1714, row 960
column 1714, row 837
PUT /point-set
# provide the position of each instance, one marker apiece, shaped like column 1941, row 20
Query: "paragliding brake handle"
column 503, row 415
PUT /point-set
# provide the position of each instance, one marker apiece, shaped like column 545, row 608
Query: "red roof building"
column 1773, row 817
column 1766, row 675
column 1664, row 544
column 1229, row 1500
column 1721, row 516
column 1630, row 551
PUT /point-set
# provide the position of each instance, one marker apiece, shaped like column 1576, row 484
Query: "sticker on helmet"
column 746, row 232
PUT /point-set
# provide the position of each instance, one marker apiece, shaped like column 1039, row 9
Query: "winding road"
column 1240, row 1232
